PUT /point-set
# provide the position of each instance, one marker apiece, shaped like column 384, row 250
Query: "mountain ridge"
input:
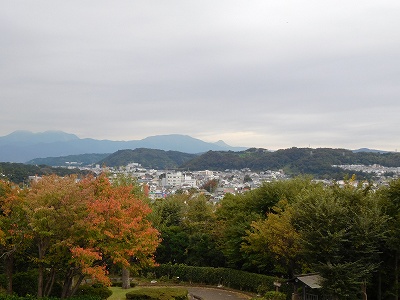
column 22, row 145
column 319, row 162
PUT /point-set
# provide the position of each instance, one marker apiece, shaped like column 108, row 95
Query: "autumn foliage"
column 76, row 229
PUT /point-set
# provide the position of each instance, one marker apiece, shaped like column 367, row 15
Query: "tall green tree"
column 390, row 270
column 53, row 207
column 188, row 230
column 341, row 230
column 167, row 216
column 201, row 224
column 276, row 239
column 237, row 212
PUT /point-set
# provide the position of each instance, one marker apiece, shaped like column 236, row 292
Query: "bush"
column 272, row 295
column 3, row 281
column 162, row 293
column 117, row 282
column 96, row 290
column 25, row 283
column 16, row 297
column 213, row 276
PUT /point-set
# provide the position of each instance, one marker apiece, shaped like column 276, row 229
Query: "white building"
column 177, row 179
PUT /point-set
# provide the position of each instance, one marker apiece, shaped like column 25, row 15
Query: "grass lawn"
column 118, row 293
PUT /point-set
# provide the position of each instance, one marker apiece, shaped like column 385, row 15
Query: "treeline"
column 149, row 158
column 294, row 161
column 80, row 159
column 61, row 228
column 350, row 235
column 19, row 173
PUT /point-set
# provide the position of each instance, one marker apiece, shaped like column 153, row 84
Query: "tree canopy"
column 65, row 227
column 79, row 227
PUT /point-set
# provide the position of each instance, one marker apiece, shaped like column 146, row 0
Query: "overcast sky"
column 271, row 73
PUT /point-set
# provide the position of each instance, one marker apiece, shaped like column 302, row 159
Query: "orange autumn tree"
column 117, row 229
column 141, row 193
column 79, row 227
column 13, row 235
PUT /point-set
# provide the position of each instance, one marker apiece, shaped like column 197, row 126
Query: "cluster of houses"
column 378, row 170
column 162, row 183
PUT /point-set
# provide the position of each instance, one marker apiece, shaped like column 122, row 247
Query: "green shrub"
column 3, row 281
column 25, row 283
column 16, row 297
column 213, row 276
column 272, row 295
column 158, row 293
column 95, row 290
column 118, row 283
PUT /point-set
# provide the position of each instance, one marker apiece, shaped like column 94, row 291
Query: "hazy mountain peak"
column 26, row 136
column 170, row 136
column 221, row 143
column 21, row 146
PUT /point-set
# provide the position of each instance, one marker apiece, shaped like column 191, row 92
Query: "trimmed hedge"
column 155, row 293
column 96, row 290
column 231, row 278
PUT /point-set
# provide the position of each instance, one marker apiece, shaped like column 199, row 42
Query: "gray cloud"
column 269, row 74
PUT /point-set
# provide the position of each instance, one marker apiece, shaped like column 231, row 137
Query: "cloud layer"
column 272, row 74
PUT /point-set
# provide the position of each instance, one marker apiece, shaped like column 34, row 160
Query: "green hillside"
column 148, row 158
column 81, row 159
column 19, row 173
column 295, row 161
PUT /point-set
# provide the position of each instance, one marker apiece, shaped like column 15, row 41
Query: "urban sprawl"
column 162, row 183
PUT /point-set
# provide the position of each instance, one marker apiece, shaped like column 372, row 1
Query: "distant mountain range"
column 22, row 146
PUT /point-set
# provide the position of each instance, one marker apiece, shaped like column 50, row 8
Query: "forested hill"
column 294, row 160
column 148, row 158
column 81, row 159
column 19, row 173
